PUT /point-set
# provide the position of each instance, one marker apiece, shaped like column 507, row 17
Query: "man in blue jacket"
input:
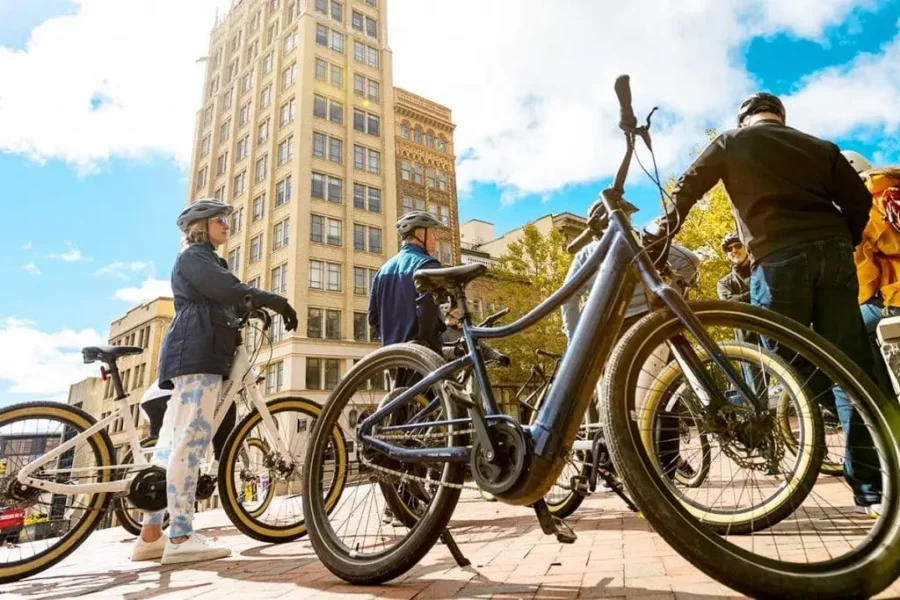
column 397, row 312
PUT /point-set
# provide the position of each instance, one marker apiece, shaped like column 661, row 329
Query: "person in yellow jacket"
column 877, row 257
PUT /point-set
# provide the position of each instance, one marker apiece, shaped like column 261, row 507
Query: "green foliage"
column 531, row 270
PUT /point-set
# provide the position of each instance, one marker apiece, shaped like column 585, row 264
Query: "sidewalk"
column 616, row 556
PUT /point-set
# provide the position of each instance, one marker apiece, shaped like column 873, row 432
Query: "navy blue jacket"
column 208, row 299
column 396, row 311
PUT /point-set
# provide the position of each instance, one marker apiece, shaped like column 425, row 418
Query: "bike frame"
column 551, row 436
column 241, row 371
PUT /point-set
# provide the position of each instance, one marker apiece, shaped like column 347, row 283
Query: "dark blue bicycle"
column 762, row 522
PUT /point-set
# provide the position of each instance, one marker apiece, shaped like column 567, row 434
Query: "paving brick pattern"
column 616, row 556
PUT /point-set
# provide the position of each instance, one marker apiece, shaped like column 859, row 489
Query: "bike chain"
column 403, row 476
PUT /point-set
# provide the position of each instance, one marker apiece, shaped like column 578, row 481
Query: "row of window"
column 321, row 373
column 428, row 138
column 438, row 211
column 140, row 338
column 139, row 373
column 418, row 173
column 323, row 275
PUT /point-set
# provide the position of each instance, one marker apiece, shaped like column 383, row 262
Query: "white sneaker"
column 194, row 549
column 148, row 550
column 873, row 510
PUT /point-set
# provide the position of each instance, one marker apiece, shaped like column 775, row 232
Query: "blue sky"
column 90, row 211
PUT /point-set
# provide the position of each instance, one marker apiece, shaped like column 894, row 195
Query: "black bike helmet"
column 415, row 219
column 202, row 209
column 761, row 102
column 730, row 238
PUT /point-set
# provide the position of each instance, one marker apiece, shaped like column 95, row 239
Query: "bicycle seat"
column 450, row 278
column 108, row 354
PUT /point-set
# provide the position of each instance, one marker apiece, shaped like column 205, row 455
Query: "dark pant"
column 156, row 411
column 815, row 284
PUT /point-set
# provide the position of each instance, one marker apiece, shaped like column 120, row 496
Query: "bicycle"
column 430, row 442
column 265, row 444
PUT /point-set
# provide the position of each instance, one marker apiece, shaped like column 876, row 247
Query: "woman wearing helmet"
column 195, row 357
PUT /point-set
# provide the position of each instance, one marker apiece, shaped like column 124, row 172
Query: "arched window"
column 429, row 138
column 417, row 135
column 404, row 130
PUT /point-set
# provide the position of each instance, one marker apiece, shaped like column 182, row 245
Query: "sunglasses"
column 220, row 220
column 734, row 248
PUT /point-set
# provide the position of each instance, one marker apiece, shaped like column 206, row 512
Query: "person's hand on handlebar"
column 655, row 241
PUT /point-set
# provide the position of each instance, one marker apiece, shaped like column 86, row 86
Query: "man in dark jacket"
column 800, row 209
column 397, row 312
column 736, row 285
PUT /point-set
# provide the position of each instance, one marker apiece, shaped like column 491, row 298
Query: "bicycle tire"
column 829, row 467
column 391, row 563
column 863, row 572
column 246, row 521
column 120, row 504
column 102, row 447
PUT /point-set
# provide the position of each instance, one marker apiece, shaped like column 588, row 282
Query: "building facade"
column 297, row 132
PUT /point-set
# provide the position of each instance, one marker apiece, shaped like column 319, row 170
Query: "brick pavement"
column 616, row 556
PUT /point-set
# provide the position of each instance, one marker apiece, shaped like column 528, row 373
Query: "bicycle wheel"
column 723, row 511
column 833, row 463
column 28, row 431
column 824, row 550
column 261, row 489
column 129, row 516
column 355, row 538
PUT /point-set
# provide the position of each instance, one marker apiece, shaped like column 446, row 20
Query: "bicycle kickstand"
column 551, row 525
column 455, row 552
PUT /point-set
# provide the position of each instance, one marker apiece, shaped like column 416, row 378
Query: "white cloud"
column 32, row 269
column 149, row 289
column 120, row 270
column 529, row 82
column 27, row 245
column 45, row 364
column 73, row 254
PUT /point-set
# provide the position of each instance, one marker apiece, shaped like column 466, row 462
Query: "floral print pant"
column 183, row 441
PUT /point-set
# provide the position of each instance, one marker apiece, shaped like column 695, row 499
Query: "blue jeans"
column 872, row 313
column 815, row 284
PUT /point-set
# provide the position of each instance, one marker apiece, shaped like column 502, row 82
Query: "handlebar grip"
column 492, row 354
column 580, row 242
column 623, row 91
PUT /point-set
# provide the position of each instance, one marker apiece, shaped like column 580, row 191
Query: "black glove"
column 289, row 315
column 655, row 243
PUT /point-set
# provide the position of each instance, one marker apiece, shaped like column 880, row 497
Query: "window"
column 247, row 82
column 252, row 51
column 359, row 51
column 225, row 130
column 272, row 33
column 220, row 193
column 288, row 76
column 322, row 6
column 337, row 11
column 240, row 184
column 285, row 150
column 256, row 21
column 319, row 141
column 265, row 98
column 283, row 191
column 276, row 329
column 326, row 187
column 321, row 70
column 290, row 42
column 286, row 113
column 442, row 181
column 314, row 323
column 314, row 373
column 405, row 172
column 234, row 260
column 279, row 279
column 204, row 145
column 360, row 327
column 321, row 35
column 441, row 144
column 404, row 131
column 429, row 139
column 366, row 198
column 366, row 238
column 332, row 324
column 417, row 135
column 263, row 132
column 410, row 203
column 337, row 41
column 201, row 177
column 356, row 21
column 429, row 177
column 372, row 57
column 337, row 76
column 282, row 236
column 334, row 147
column 374, row 93
column 275, row 377
column 417, row 173
column 316, row 274
column 444, row 214
column 335, row 150
column 228, row 99
column 243, row 148
column 259, row 207
column 333, row 271
column 256, row 248
column 366, row 122
column 359, row 85
column 336, row 112
column 372, row 2
column 320, row 107
column 366, row 159
column 334, row 232
column 445, row 254
column 374, row 162
column 371, row 28
column 325, row 230
column 332, row 373
column 262, row 169
column 360, row 283
column 232, row 70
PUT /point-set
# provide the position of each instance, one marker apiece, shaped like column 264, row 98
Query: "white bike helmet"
column 857, row 161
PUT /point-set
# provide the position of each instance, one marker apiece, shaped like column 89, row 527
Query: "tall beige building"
column 297, row 132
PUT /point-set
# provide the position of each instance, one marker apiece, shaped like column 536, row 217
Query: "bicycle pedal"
column 564, row 533
column 580, row 485
column 551, row 525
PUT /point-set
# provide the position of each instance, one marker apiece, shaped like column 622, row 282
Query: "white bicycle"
column 77, row 477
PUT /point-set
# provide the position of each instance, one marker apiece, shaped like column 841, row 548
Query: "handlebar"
column 254, row 312
column 494, row 318
column 627, row 120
